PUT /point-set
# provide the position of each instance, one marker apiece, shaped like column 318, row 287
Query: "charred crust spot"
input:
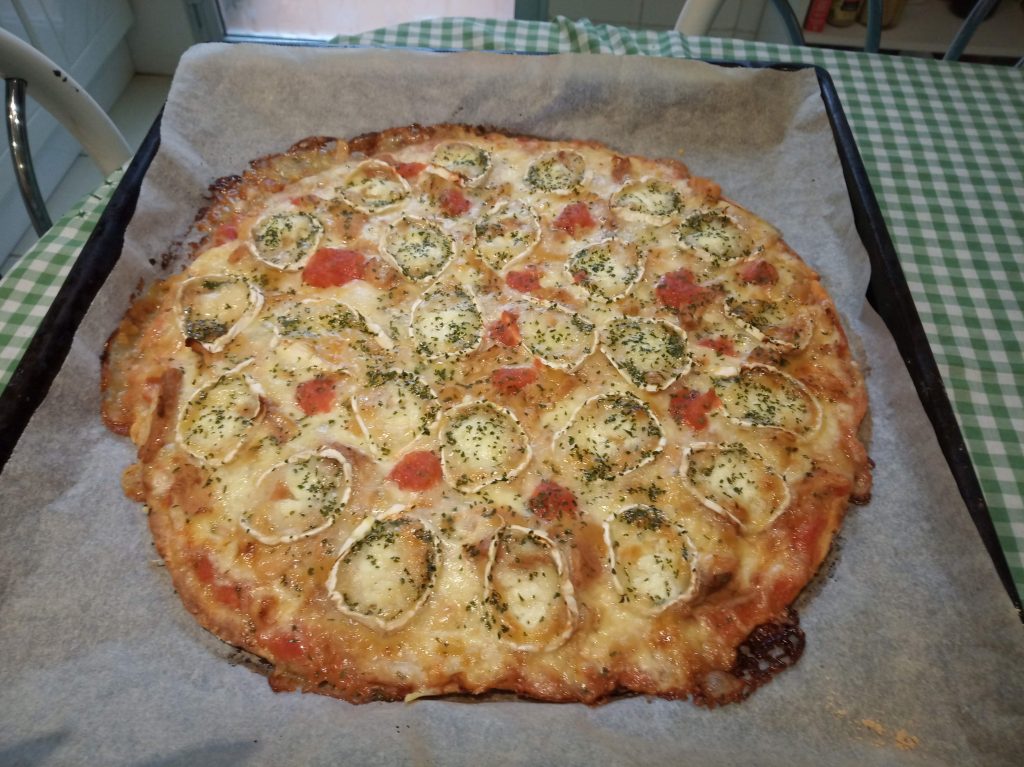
column 313, row 144
column 770, row 649
column 861, row 494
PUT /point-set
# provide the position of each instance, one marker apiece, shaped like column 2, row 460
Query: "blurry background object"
column 22, row 67
column 844, row 12
column 323, row 19
column 892, row 10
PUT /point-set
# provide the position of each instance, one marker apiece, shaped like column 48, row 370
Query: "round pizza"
column 444, row 410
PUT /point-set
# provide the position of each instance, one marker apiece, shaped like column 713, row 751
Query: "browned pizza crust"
column 373, row 457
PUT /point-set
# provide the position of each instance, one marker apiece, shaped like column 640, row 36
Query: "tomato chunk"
column 512, row 380
column 204, row 569
column 759, row 272
column 550, row 500
column 691, row 407
column 506, row 330
column 720, row 344
column 417, row 471
column 575, row 219
column 315, row 396
column 410, row 169
column 285, row 646
column 525, row 280
column 453, row 202
column 227, row 594
column 331, row 267
column 225, row 233
column 679, row 290
column 621, row 168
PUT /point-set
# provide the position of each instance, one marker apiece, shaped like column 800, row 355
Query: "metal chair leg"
column 17, row 138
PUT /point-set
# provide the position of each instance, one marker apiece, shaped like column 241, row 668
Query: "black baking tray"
column 887, row 292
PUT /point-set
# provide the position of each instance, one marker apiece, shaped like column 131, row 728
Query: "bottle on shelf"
column 844, row 12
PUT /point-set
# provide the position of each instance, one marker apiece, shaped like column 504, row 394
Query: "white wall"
column 161, row 33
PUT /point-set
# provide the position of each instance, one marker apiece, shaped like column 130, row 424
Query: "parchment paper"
column 914, row 654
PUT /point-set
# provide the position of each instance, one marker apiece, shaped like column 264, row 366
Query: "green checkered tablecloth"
column 943, row 144
column 28, row 289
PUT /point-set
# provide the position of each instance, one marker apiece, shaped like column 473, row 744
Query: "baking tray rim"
column 887, row 292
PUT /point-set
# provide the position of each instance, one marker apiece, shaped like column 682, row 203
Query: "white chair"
column 22, row 66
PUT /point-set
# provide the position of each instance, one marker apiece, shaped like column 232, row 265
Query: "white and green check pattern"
column 28, row 289
column 943, row 145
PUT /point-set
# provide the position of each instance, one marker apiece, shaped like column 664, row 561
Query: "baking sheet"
column 914, row 654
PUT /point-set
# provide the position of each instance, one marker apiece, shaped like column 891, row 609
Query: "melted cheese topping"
column 419, row 248
column 482, row 443
column 734, row 482
column 558, row 523
column 760, row 395
column 560, row 338
column 650, row 354
column 607, row 269
column 213, row 309
column 467, row 161
column 446, row 322
column 218, row 417
column 652, row 561
column 286, row 240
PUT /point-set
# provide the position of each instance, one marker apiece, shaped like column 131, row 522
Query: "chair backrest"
column 22, row 66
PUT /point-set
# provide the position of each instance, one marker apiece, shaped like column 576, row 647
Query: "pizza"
column 443, row 410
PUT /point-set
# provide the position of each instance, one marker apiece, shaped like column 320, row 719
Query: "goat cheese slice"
column 505, row 233
column 763, row 396
column 286, row 241
column 214, row 308
column 385, row 570
column 652, row 560
column 560, row 338
column 608, row 269
column 560, row 172
column 649, row 353
column 419, row 248
column 529, row 597
column 299, row 497
column 648, row 200
column 468, row 162
column 217, row 418
column 395, row 408
column 736, row 483
column 446, row 322
column 610, row 435
column 482, row 443
column 373, row 186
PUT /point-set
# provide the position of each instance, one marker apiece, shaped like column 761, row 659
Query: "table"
column 941, row 143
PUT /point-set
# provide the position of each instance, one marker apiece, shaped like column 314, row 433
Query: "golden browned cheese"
column 441, row 410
